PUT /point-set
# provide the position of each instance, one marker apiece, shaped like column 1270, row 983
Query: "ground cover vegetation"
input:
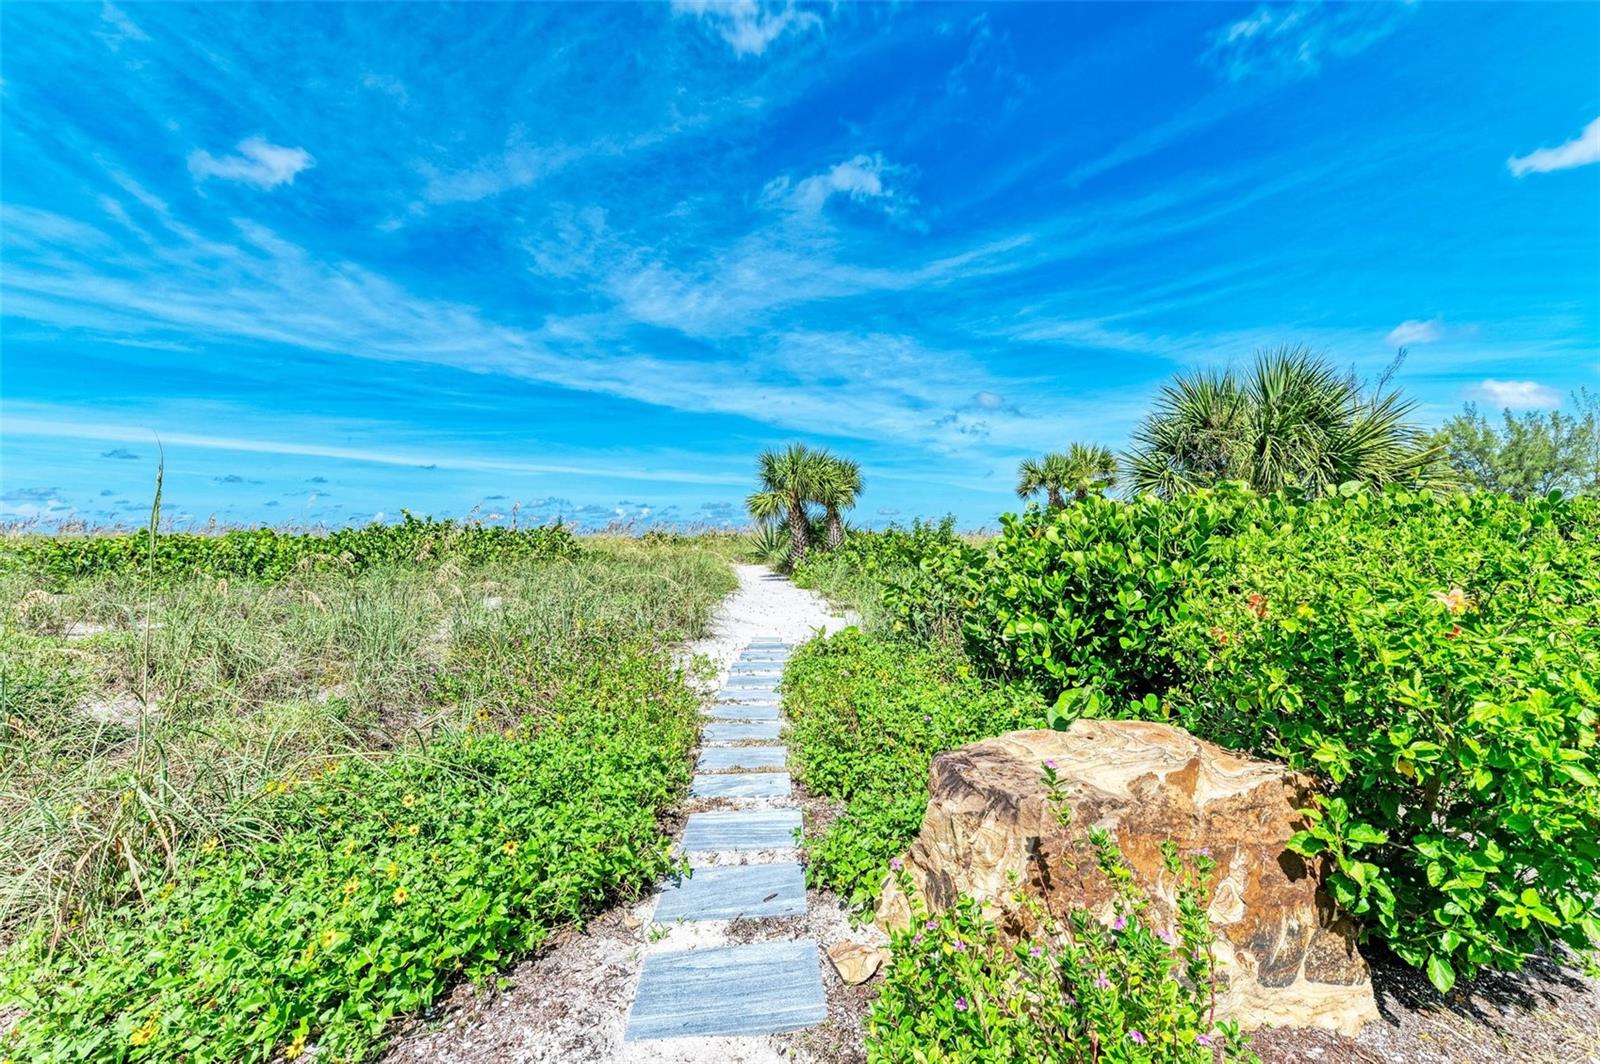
column 248, row 815
column 1423, row 645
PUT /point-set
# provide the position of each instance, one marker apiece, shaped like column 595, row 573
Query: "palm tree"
column 837, row 489
column 1084, row 469
column 789, row 480
column 1291, row 420
column 1047, row 474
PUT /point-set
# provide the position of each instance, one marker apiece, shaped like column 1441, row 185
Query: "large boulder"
column 1286, row 954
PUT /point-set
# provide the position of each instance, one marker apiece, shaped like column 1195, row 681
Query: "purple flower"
column 1119, row 923
column 1165, row 936
column 896, row 864
column 1137, row 1037
column 1100, row 981
column 1049, row 762
column 916, row 939
column 929, row 926
column 1203, row 1039
column 961, row 1004
column 1035, row 951
column 960, row 946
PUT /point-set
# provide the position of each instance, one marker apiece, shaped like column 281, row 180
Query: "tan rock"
column 856, row 963
column 1287, row 955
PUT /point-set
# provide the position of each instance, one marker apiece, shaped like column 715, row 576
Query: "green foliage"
column 382, row 881
column 1452, row 731
column 866, row 717
column 1528, row 455
column 1291, row 420
column 1434, row 662
column 269, row 555
column 1076, row 992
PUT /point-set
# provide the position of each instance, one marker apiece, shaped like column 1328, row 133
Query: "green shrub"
column 899, row 578
column 866, row 717
column 1455, row 737
column 269, row 555
column 381, row 883
column 1075, row 992
column 1435, row 662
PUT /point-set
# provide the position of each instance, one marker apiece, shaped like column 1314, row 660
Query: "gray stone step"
column 741, row 829
column 738, row 731
column 734, row 758
column 739, row 680
column 742, row 711
column 737, row 694
column 757, row 988
column 740, row 785
column 732, row 891
column 770, row 672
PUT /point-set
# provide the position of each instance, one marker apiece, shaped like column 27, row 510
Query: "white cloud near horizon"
column 749, row 26
column 1415, row 331
column 1579, row 151
column 259, row 162
column 1520, row 395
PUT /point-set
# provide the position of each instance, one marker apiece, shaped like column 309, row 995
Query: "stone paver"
column 742, row 711
column 757, row 988
column 733, row 731
column 742, row 829
column 732, row 892
column 738, row 758
column 740, row 785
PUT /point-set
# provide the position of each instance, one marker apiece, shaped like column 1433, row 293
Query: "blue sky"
column 344, row 260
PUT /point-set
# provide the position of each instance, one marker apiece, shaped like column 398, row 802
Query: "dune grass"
column 166, row 742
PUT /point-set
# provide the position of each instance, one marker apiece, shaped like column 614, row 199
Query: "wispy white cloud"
column 74, row 428
column 258, row 162
column 1579, row 151
column 1294, row 40
column 862, row 179
column 749, row 26
column 1415, row 332
column 117, row 29
column 1518, row 394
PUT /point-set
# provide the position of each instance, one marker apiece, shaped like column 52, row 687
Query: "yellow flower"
column 510, row 847
column 329, row 937
column 401, row 895
column 144, row 1035
column 350, row 847
column 166, row 891
column 413, row 829
column 409, row 800
column 211, row 844
column 352, row 886
column 1455, row 600
column 78, row 810
column 391, row 870
column 293, row 1050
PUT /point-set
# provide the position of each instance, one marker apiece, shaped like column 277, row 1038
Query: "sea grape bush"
column 382, row 882
column 266, row 554
column 866, row 717
column 1075, row 992
column 1430, row 658
column 1435, row 662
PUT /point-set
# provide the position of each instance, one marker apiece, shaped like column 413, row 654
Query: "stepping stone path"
column 753, row 988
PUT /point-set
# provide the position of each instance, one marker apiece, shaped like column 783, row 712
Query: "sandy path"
column 570, row 1003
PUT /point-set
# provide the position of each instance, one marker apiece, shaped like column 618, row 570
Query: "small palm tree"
column 1085, row 469
column 1047, row 474
column 837, row 489
column 789, row 480
column 1291, row 420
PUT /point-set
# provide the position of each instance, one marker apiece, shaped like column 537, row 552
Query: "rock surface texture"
column 1287, row 955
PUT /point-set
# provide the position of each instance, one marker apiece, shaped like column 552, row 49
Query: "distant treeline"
column 269, row 555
